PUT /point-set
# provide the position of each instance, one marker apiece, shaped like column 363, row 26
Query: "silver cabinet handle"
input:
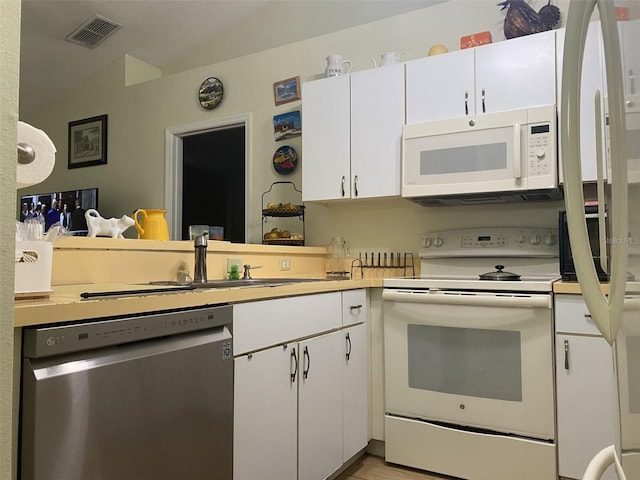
column 348, row 339
column 355, row 185
column 484, row 109
column 566, row 354
column 342, row 186
column 466, row 102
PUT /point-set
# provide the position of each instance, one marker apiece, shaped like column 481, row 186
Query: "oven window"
column 633, row 366
column 473, row 158
column 465, row 361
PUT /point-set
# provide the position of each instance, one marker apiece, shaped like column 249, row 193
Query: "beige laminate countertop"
column 574, row 287
column 65, row 303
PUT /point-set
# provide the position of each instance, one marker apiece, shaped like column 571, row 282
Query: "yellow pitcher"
column 153, row 225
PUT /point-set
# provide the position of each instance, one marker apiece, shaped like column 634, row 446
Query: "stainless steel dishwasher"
column 146, row 397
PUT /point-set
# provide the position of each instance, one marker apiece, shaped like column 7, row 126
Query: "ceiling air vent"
column 93, row 31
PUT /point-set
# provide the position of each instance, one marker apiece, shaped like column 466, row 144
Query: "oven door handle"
column 442, row 298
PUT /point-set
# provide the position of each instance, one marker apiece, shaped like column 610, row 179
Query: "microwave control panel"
column 540, row 147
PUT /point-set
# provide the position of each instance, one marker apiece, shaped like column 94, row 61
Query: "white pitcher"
column 336, row 66
column 388, row 58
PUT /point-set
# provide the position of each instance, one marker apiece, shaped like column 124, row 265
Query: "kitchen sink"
column 251, row 282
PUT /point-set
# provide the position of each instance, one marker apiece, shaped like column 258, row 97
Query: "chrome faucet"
column 200, row 269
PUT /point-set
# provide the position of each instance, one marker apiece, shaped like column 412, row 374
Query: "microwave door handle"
column 602, row 227
column 605, row 311
column 517, row 160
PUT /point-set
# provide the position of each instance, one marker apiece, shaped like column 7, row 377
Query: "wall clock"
column 210, row 93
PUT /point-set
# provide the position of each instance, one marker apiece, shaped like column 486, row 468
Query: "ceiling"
column 163, row 32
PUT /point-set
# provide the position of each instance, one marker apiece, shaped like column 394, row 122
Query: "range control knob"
column 535, row 240
column 550, row 240
column 438, row 241
column 426, row 243
column 521, row 238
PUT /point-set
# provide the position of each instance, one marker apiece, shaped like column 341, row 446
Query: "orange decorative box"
column 622, row 13
column 474, row 40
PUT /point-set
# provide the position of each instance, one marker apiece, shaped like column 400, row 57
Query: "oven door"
column 628, row 357
column 479, row 359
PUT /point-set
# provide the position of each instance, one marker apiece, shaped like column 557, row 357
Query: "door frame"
column 174, row 163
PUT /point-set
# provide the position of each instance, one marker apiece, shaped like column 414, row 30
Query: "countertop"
column 66, row 304
column 574, row 287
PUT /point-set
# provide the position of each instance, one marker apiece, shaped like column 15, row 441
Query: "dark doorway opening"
column 213, row 181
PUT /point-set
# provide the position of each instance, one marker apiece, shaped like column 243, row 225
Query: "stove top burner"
column 526, row 283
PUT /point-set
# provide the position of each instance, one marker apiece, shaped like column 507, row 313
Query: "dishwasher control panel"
column 47, row 341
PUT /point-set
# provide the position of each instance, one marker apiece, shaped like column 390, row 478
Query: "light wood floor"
column 375, row 468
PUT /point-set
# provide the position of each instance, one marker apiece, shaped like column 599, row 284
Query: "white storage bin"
column 33, row 267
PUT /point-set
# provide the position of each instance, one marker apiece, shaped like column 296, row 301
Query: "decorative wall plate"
column 285, row 160
column 210, row 93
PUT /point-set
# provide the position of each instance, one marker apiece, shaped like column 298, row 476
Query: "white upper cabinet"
column 509, row 75
column 591, row 117
column 352, row 132
column 630, row 40
column 326, row 141
column 441, row 87
column 516, row 73
column 377, row 116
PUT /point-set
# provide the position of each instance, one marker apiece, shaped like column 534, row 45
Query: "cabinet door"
column 355, row 414
column 592, row 82
column 377, row 116
column 440, row 87
column 326, row 141
column 265, row 429
column 629, row 41
column 587, row 402
column 517, row 73
column 320, row 407
column 354, row 306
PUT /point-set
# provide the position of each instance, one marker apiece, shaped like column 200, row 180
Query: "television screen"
column 65, row 207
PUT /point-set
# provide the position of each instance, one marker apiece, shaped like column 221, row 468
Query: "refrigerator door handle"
column 601, row 215
column 606, row 311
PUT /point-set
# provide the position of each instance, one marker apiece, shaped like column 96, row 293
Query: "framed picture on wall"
column 88, row 142
column 286, row 91
column 287, row 125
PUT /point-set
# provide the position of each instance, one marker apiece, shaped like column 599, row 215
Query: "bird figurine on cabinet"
column 523, row 20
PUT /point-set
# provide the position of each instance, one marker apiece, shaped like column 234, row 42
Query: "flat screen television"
column 67, row 203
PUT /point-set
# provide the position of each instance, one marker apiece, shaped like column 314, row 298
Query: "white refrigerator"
column 616, row 312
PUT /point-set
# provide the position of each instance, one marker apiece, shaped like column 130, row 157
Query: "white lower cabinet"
column 265, row 416
column 301, row 405
column 320, row 406
column 587, row 401
column 355, row 386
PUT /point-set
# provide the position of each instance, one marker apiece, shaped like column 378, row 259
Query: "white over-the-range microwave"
column 490, row 158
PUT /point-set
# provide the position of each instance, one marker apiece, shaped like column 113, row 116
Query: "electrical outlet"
column 285, row 264
column 234, row 261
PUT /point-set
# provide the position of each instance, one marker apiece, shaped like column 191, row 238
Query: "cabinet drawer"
column 572, row 316
column 354, row 306
column 258, row 325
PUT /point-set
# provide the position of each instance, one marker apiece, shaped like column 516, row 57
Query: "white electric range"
column 469, row 372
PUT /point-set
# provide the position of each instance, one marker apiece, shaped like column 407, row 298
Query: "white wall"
column 9, row 70
column 139, row 115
